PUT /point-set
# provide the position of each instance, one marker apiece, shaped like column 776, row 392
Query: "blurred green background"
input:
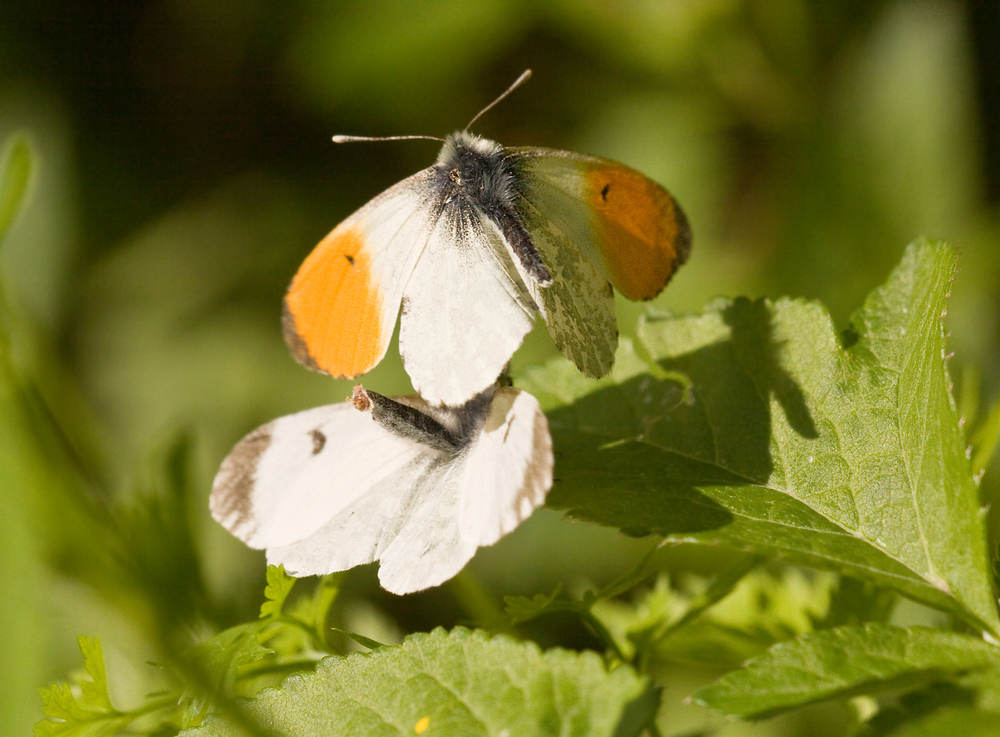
column 184, row 169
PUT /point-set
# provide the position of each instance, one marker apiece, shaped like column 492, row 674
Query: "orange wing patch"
column 644, row 234
column 332, row 317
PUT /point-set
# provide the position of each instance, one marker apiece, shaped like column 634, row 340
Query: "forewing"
column 286, row 479
column 508, row 471
column 465, row 311
column 341, row 307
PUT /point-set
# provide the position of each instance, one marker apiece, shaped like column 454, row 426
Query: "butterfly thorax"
column 477, row 169
column 477, row 175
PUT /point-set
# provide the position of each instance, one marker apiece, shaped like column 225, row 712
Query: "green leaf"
column 279, row 586
column 460, row 683
column 720, row 621
column 842, row 662
column 840, row 455
column 87, row 710
column 16, row 165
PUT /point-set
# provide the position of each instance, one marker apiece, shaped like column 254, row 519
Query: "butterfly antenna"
column 356, row 139
column 525, row 76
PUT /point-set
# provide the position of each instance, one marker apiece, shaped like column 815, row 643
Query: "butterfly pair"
column 471, row 250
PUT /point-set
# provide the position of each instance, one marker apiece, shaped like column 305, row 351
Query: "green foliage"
column 752, row 426
column 800, row 486
column 279, row 586
column 844, row 662
column 844, row 455
column 86, row 710
column 457, row 683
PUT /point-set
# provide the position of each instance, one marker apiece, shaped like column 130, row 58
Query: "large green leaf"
column 756, row 426
column 460, row 683
column 846, row 661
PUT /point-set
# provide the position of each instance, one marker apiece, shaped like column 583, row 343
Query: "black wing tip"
column 294, row 341
column 683, row 237
column 681, row 243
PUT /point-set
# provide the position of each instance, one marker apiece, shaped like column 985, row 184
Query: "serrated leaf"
column 846, row 661
column 460, row 683
column 279, row 586
column 95, row 690
column 88, row 713
column 847, row 457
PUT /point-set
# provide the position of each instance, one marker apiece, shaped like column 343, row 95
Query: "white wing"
column 425, row 522
column 341, row 307
column 286, row 479
column 508, row 471
column 409, row 523
column 465, row 310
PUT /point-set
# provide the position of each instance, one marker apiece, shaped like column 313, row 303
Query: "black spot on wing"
column 319, row 440
column 350, row 259
column 604, row 192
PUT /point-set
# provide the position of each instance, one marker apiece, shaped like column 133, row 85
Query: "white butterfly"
column 416, row 487
column 472, row 249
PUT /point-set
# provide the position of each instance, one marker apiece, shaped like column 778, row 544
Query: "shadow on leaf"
column 637, row 455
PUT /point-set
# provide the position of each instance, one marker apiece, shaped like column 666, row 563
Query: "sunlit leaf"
column 842, row 454
column 279, row 586
column 846, row 661
column 460, row 683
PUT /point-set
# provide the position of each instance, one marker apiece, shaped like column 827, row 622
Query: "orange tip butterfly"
column 472, row 249
column 400, row 481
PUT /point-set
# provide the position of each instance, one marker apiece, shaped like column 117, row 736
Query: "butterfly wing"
column 596, row 221
column 342, row 304
column 287, row 478
column 426, row 521
column 509, row 468
column 465, row 309
column 620, row 219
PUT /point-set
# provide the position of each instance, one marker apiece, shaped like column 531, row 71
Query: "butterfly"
column 470, row 251
column 417, row 487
